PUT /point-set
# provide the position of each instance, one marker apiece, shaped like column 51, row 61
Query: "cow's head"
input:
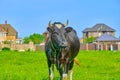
column 58, row 34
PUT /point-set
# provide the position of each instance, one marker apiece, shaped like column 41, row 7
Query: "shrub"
column 5, row 49
column 6, row 42
column 15, row 50
column 28, row 50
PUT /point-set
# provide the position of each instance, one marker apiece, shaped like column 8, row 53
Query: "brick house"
column 96, row 31
column 8, row 33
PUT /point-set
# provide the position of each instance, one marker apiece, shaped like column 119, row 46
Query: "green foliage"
column 15, row 50
column 94, row 65
column 26, row 40
column 89, row 39
column 5, row 49
column 6, row 42
column 28, row 50
column 36, row 38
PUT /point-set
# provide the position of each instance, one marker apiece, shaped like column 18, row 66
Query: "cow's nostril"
column 62, row 43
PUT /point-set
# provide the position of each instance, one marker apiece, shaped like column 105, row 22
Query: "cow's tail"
column 77, row 61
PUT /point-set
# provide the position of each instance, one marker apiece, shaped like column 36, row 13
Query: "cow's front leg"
column 71, row 74
column 70, row 69
column 64, row 76
column 51, row 72
column 61, row 71
column 66, row 67
column 51, row 69
column 65, row 73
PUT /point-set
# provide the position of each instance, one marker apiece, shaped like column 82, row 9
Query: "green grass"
column 95, row 65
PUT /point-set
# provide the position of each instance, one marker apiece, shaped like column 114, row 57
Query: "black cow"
column 61, row 48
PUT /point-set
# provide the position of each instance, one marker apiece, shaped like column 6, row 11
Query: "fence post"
column 118, row 47
column 87, row 47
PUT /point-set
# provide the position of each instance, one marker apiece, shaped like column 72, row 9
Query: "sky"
column 32, row 16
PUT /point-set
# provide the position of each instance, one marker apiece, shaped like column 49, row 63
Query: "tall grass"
column 95, row 65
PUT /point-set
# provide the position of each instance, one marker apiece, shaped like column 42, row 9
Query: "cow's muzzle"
column 63, row 44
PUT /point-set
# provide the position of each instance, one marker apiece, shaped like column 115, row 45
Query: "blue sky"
column 32, row 16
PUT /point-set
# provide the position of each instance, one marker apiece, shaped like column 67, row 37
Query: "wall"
column 20, row 47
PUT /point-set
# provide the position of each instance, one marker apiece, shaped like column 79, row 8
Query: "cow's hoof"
column 64, row 76
column 51, row 78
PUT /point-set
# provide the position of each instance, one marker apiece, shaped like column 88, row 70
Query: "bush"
column 6, row 42
column 5, row 49
column 28, row 50
column 15, row 50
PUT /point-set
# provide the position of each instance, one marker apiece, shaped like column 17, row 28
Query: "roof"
column 8, row 29
column 99, row 27
column 107, row 38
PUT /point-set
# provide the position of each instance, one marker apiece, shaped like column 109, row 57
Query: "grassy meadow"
column 94, row 65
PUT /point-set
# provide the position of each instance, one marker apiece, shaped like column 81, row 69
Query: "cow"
column 61, row 48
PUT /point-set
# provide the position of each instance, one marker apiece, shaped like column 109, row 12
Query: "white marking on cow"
column 58, row 25
column 52, row 73
column 71, row 72
column 64, row 76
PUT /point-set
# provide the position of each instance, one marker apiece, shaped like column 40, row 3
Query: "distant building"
column 97, row 30
column 107, row 42
column 46, row 35
column 8, row 33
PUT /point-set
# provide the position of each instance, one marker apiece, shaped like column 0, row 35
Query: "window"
column 2, row 34
column 108, row 32
column 91, row 33
column 86, row 34
column 99, row 34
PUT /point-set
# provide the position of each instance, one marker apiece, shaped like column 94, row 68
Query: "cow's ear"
column 49, row 29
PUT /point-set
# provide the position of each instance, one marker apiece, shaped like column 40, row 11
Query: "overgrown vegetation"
column 36, row 38
column 94, row 65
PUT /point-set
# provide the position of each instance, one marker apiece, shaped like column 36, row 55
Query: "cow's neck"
column 54, row 48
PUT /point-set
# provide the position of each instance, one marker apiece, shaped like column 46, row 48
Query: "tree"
column 89, row 39
column 36, row 38
column 26, row 40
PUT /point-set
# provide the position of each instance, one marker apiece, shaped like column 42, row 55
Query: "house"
column 46, row 35
column 107, row 42
column 104, row 37
column 97, row 30
column 8, row 33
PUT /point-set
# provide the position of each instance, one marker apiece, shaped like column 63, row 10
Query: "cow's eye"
column 53, row 36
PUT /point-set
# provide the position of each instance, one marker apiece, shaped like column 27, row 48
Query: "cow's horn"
column 49, row 24
column 66, row 23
